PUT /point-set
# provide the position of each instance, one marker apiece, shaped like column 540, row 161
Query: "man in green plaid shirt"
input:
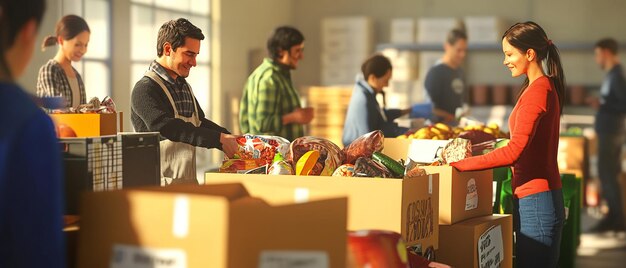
column 270, row 104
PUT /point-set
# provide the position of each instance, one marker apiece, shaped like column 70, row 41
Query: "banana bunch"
column 438, row 131
column 491, row 128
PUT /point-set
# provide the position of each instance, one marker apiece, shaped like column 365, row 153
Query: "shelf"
column 585, row 47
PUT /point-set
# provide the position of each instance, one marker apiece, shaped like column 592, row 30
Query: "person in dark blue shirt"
column 31, row 186
column 445, row 83
column 364, row 113
column 611, row 132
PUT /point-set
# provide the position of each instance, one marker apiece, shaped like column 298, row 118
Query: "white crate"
column 340, row 34
column 351, row 59
column 485, row 30
column 435, row 30
column 338, row 75
column 402, row 31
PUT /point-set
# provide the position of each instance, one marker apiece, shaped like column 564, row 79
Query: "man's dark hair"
column 455, row 35
column 609, row 44
column 13, row 16
column 378, row 65
column 175, row 32
column 283, row 38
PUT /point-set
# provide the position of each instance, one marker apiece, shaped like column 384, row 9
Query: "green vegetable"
column 388, row 162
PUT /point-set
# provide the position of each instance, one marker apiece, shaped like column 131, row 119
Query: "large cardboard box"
column 478, row 242
column 92, row 125
column 225, row 225
column 463, row 195
column 573, row 156
column 406, row 206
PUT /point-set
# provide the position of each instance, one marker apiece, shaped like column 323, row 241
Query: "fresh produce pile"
column 312, row 156
column 442, row 131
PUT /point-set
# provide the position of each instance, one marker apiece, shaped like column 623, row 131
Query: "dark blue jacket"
column 364, row 115
column 612, row 111
column 31, row 185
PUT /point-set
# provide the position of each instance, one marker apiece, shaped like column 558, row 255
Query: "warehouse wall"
column 239, row 28
column 565, row 21
column 29, row 79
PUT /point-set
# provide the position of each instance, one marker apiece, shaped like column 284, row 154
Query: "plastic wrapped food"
column 330, row 155
column 366, row 167
column 456, row 150
column 345, row 170
column 281, row 168
column 364, row 146
column 261, row 147
column 307, row 162
column 413, row 169
column 241, row 165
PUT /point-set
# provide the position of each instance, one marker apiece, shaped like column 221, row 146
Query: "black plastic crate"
column 108, row 163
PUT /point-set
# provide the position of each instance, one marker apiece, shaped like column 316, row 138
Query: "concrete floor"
column 600, row 250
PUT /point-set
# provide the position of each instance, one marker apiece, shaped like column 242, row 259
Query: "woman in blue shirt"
column 31, row 185
column 364, row 113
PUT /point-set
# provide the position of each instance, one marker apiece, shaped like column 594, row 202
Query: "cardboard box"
column 212, row 226
column 403, row 31
column 92, row 125
column 408, row 206
column 485, row 30
column 461, row 244
column 435, row 30
column 463, row 195
column 347, row 34
column 573, row 156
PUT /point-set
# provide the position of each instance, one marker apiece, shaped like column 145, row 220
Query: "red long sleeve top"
column 532, row 150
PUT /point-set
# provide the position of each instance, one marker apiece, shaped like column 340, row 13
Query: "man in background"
column 270, row 104
column 609, row 126
column 445, row 82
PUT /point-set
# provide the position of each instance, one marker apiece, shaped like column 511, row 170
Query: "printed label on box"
column 293, row 258
column 490, row 250
column 420, row 222
column 471, row 199
column 129, row 256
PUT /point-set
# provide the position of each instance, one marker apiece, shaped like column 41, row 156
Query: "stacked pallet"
column 331, row 105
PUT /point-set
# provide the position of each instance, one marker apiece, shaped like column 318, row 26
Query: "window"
column 95, row 67
column 147, row 16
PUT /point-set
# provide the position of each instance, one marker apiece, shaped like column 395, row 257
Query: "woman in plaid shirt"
column 57, row 77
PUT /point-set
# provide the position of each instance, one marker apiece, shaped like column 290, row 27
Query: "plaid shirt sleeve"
column 266, row 115
column 52, row 82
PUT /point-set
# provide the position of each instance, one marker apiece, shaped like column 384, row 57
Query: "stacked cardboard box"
column 346, row 43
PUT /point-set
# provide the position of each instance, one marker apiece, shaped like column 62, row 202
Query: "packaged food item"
column 413, row 169
column 261, row 147
column 345, row 170
column 240, row 165
column 457, row 149
column 364, row 146
column 281, row 167
column 394, row 166
column 305, row 164
column 366, row 167
column 330, row 155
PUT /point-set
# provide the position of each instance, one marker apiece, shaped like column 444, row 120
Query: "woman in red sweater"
column 532, row 151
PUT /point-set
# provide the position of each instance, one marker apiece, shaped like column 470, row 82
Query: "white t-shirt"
column 75, row 91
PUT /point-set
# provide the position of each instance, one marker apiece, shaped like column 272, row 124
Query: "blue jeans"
column 538, row 224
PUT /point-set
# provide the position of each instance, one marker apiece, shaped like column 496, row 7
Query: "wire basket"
column 109, row 163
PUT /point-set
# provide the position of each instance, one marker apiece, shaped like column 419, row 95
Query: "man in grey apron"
column 163, row 101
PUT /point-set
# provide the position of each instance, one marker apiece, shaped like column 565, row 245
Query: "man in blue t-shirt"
column 610, row 131
column 444, row 82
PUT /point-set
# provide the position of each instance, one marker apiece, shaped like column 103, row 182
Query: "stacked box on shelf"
column 403, row 31
column 331, row 105
column 346, row 43
column 108, row 163
column 484, row 30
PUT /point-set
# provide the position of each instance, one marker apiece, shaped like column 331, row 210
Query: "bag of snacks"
column 330, row 155
column 364, row 146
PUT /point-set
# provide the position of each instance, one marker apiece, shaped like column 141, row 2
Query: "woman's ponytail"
column 48, row 41
column 555, row 72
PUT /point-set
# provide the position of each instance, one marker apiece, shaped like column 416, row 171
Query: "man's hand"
column 229, row 144
column 299, row 116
